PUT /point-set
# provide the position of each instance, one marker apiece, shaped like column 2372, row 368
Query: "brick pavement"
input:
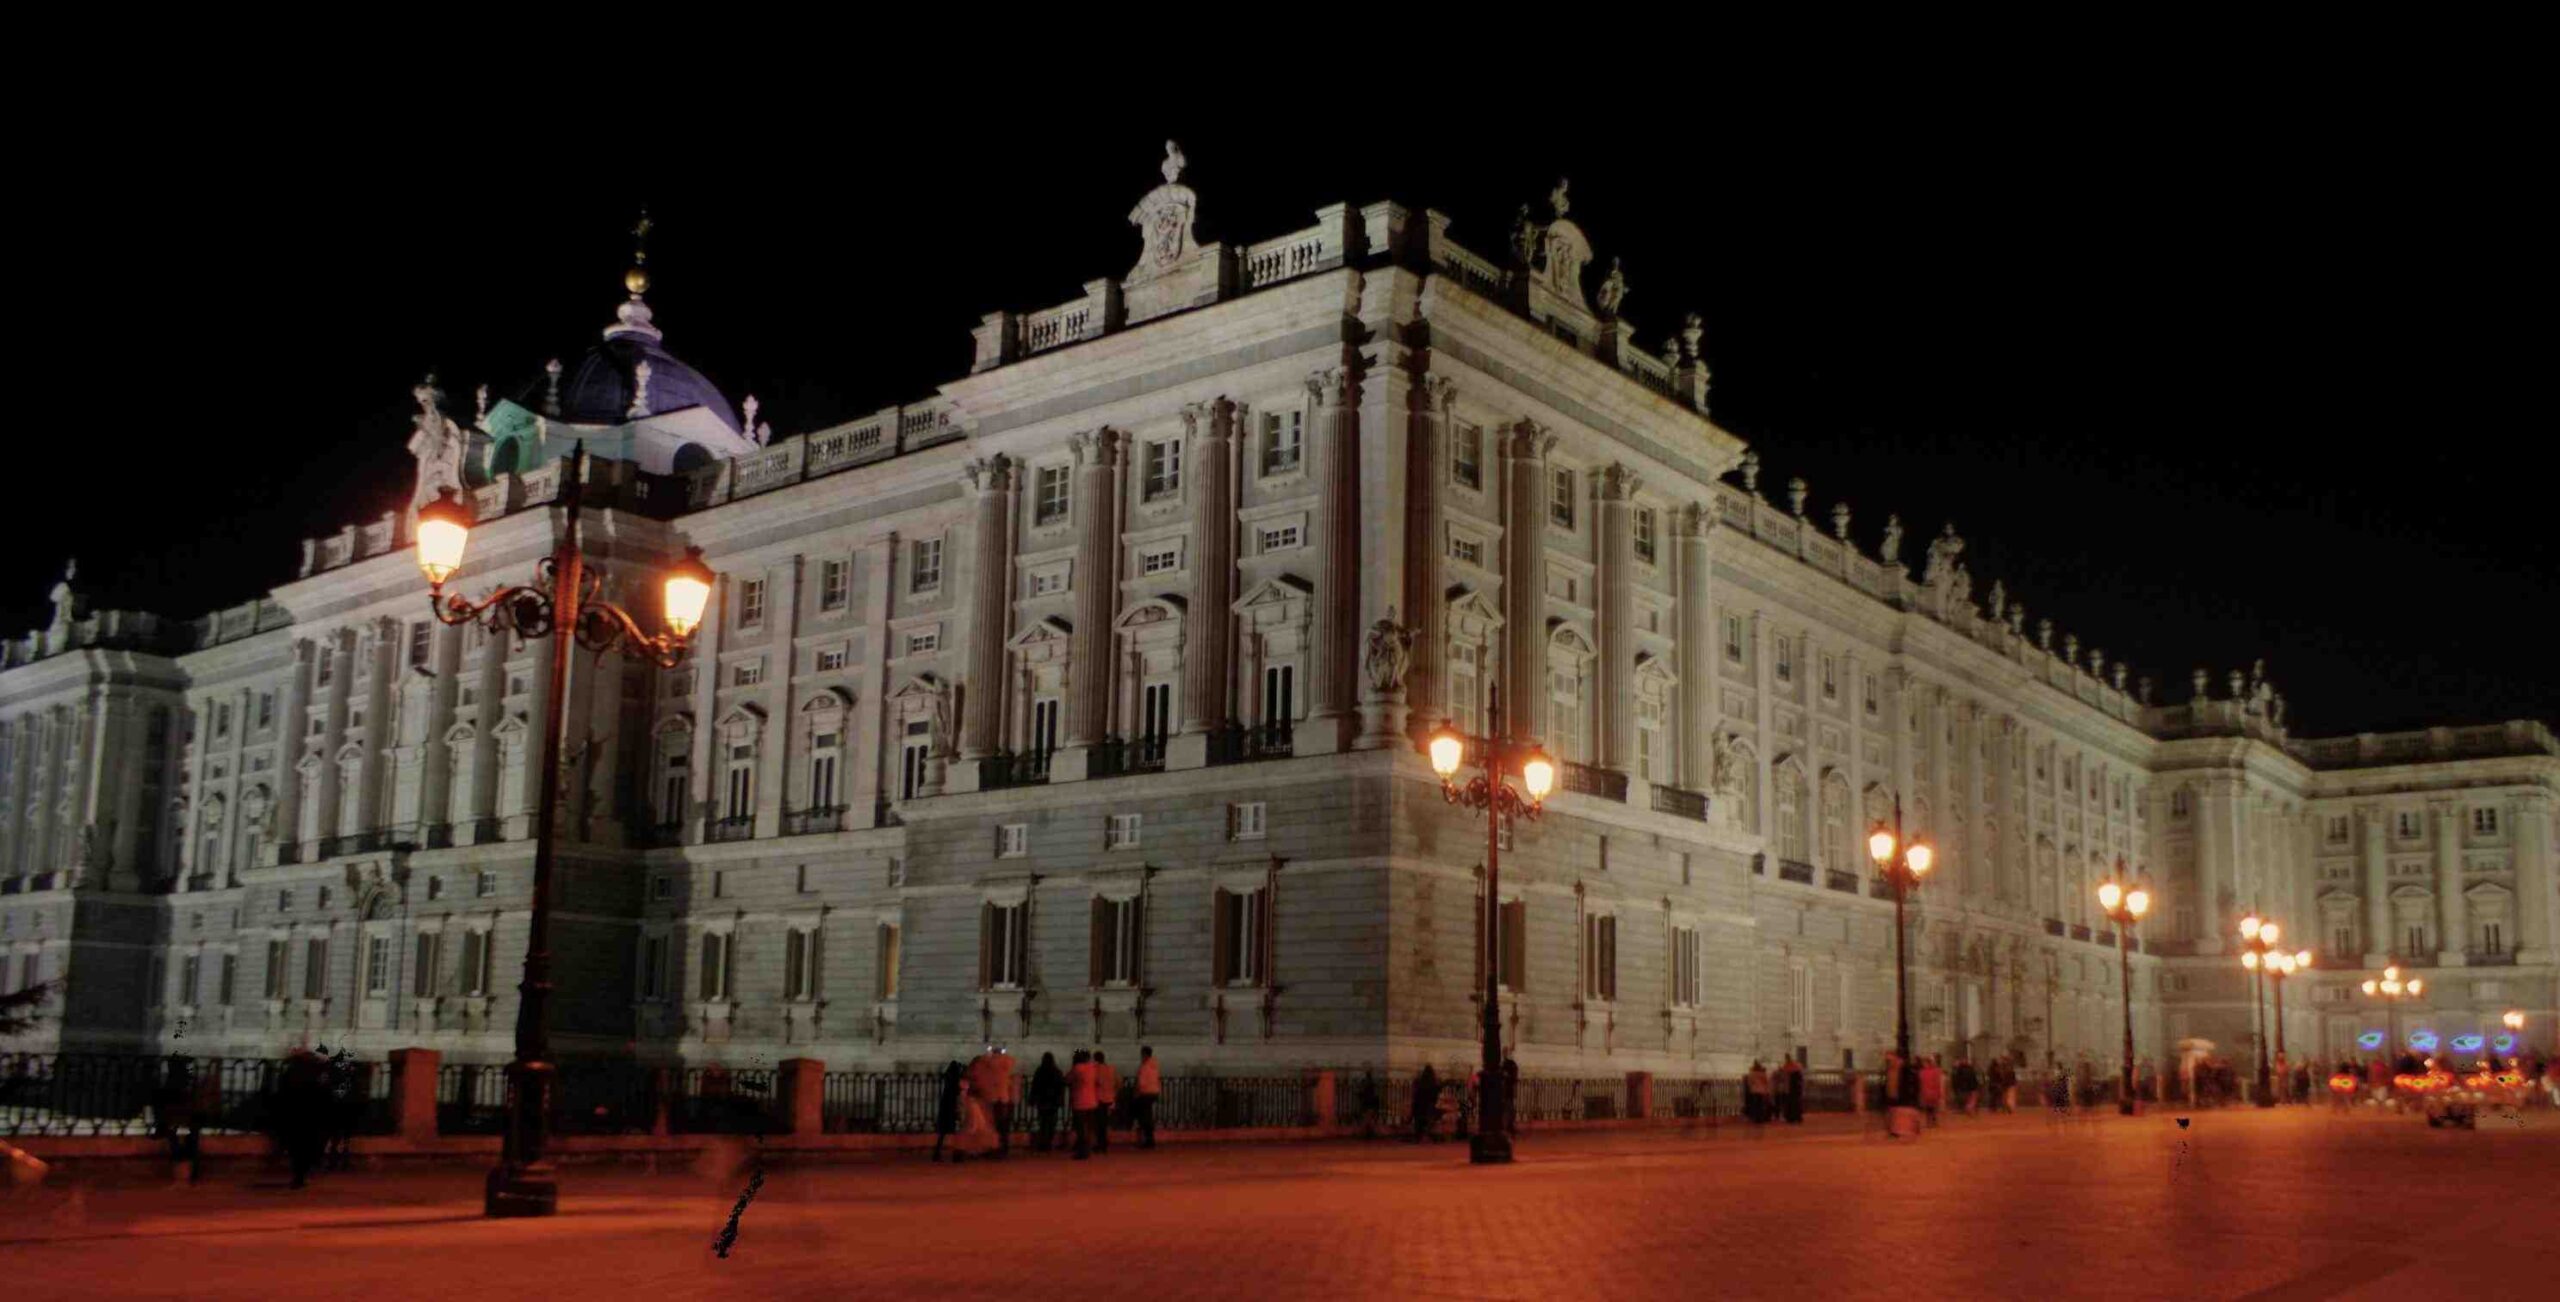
column 2300, row 1203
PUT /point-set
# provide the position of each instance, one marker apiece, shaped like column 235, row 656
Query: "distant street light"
column 2260, row 936
column 1903, row 862
column 2125, row 906
column 1500, row 757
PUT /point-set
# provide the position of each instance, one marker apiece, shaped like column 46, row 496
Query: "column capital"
column 1617, row 483
column 989, row 474
column 1529, row 441
column 1433, row 389
column 1331, row 387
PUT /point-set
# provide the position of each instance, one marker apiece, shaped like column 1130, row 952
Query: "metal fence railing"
column 141, row 1094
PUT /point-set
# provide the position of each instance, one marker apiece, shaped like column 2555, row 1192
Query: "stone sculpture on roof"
column 1164, row 219
column 437, row 443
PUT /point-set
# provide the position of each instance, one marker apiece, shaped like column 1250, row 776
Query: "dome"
column 598, row 388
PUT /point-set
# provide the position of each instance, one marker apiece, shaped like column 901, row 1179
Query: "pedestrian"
column 1510, row 1104
column 1791, row 1092
column 1366, row 1099
column 1895, row 1096
column 180, row 1123
column 1080, row 1104
column 1933, row 1088
column 1048, row 1094
column 2004, row 1084
column 1106, row 1094
column 946, row 1106
column 1008, row 1098
column 1426, row 1103
column 1755, row 1094
column 976, row 1136
column 1150, row 1088
column 302, row 1112
column 1968, row 1088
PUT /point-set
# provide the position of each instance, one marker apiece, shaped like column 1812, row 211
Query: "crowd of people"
column 974, row 1116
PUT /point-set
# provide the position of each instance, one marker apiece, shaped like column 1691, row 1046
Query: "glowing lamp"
column 2370, row 986
column 2250, row 960
column 688, row 593
column 2137, row 901
column 2416, row 985
column 444, row 527
column 1446, row 749
column 1880, row 846
column 1538, row 774
column 2302, row 959
column 2110, row 895
column 2249, row 926
column 2391, row 973
column 2267, row 932
column 1920, row 856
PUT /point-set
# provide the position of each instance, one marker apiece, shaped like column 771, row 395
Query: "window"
column 2180, row 800
column 266, row 708
column 1733, row 638
column 420, row 635
column 1163, row 470
column 1283, row 441
column 1560, row 498
column 834, row 580
column 1564, row 711
column 1155, row 719
column 187, row 970
column 1239, row 947
column 1013, row 840
column 222, row 720
column 674, row 784
column 1466, row 668
column 741, row 793
column 2338, row 829
column 924, row 641
column 230, row 970
column 1786, row 660
column 680, row 684
column 1004, row 945
column 1515, row 945
column 1119, row 939
column 800, row 964
column 1279, row 694
column 1051, row 580
column 488, row 882
column 747, row 673
column 1160, row 560
column 1281, row 537
column 2484, row 820
column 422, row 970
column 315, row 968
column 1800, row 997
column 1644, row 534
column 716, row 955
column 1684, row 966
column 2418, row 938
column 1466, row 550
column 885, row 978
column 823, row 754
column 1049, row 495
column 653, row 967
column 1120, row 832
column 751, row 603
column 2408, row 825
column 1245, row 820
column 276, row 957
column 832, row 659
column 915, row 756
column 2493, row 938
column 2342, row 938
column 1466, row 455
column 1600, row 957
column 328, row 666
column 1044, row 726
column 1648, row 739
column 1831, row 678
column 924, row 565
column 377, row 965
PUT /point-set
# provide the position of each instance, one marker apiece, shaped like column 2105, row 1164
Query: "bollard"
column 1320, row 1098
column 413, row 1093
column 802, row 1085
column 1639, row 1095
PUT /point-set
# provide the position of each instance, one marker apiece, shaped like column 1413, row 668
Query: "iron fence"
column 1235, row 1102
column 143, row 1094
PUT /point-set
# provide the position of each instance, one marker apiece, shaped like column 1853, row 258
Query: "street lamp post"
column 2390, row 989
column 565, row 598
column 1499, row 756
column 2513, row 1020
column 2260, row 937
column 2124, row 906
column 2279, row 966
column 1903, row 863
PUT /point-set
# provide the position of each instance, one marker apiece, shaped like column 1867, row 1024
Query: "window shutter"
column 794, row 960
column 1222, row 963
column 1098, row 942
column 986, row 945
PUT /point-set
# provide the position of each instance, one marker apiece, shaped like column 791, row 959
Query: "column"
column 1426, row 549
column 2217, row 858
column 2377, row 888
column 991, row 593
column 1208, row 634
column 2013, row 841
column 381, row 731
column 1089, row 670
column 2453, row 921
column 878, row 559
column 333, row 733
column 773, row 758
column 704, row 782
column 1697, row 651
column 1765, row 728
column 2529, row 818
column 1333, row 663
column 1617, row 612
column 1524, row 586
column 1384, row 424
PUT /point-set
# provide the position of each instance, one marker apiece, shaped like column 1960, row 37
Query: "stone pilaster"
column 1524, row 585
column 2453, row 922
column 1208, row 657
column 2012, row 842
column 384, row 647
column 2529, row 818
column 1097, row 576
column 704, row 782
column 1617, row 612
column 1698, row 650
column 323, row 822
column 878, row 559
column 773, row 758
column 1435, row 400
column 1385, row 437
column 1334, row 661
column 2217, row 858
column 991, row 591
column 2377, row 887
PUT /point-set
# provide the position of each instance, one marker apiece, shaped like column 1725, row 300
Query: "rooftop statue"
column 1942, row 556
column 1613, row 291
column 437, row 443
column 1164, row 218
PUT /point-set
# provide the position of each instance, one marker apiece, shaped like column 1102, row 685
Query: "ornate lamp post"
column 564, row 598
column 2514, row 1022
column 2278, row 967
column 1490, row 791
column 2124, row 906
column 2260, row 938
column 1904, row 863
column 2390, row 989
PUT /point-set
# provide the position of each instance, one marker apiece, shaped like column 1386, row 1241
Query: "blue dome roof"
column 597, row 388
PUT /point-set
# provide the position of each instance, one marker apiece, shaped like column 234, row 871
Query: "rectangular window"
column 885, row 978
column 1004, row 946
column 230, row 972
column 2342, row 939
column 1245, row 820
column 1600, row 957
column 377, row 965
column 2418, row 938
column 1733, row 638
column 1466, row 667
column 328, row 666
column 1013, row 840
column 834, row 580
column 474, row 976
column 741, row 802
column 1049, row 495
column 2484, row 820
column 1155, row 719
column 914, row 758
column 1831, row 678
column 1160, row 560
column 1684, row 966
column 925, row 641
column 420, row 635
column 315, row 968
column 924, row 569
column 1044, row 726
column 266, row 708
column 1466, row 550
column 1281, row 537
column 1799, row 998
column 222, row 720
column 284, row 900
column 2408, row 825
column 747, row 673
column 488, row 882
column 680, row 684
column 1120, row 832
column 653, row 968
column 799, row 964
column 1163, row 470
column 2338, row 829
column 1466, row 455
column 1515, row 945
column 832, row 659
column 673, row 787
column 822, row 774
column 1283, row 442
column 1279, row 694
column 1560, row 498
column 187, row 970
column 715, row 965
column 1048, row 581
column 1119, row 938
column 276, row 952
column 1785, row 665
column 422, row 973
column 751, row 603
column 1644, row 534
column 1239, row 949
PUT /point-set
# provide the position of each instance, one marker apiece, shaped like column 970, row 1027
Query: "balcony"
column 1879, row 889
column 1244, row 745
column 2079, row 931
column 200, row 881
column 2104, row 938
column 1794, row 870
column 12, row 885
column 997, row 772
column 2053, row 926
column 1683, row 804
column 439, row 836
column 658, row 837
column 810, row 822
column 1836, row 880
column 2504, row 958
column 1583, row 779
column 729, row 829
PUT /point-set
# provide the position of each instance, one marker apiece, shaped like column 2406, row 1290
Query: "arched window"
column 1839, row 838
column 1787, row 783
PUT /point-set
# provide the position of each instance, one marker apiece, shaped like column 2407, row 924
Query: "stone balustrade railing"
column 881, row 435
column 2370, row 749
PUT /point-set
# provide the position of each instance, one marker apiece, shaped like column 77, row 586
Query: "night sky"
column 2203, row 387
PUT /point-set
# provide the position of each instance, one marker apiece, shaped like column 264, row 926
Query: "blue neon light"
column 2424, row 1041
column 2369, row 1040
column 2466, row 1044
column 2504, row 1044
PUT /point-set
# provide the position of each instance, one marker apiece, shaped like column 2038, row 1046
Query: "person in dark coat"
column 1367, row 1101
column 1426, row 1102
column 303, row 1104
column 946, row 1107
column 1755, row 1094
column 1791, row 1092
column 1968, row 1087
column 1510, row 1103
column 1048, row 1094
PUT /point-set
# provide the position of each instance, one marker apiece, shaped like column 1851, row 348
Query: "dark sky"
column 2243, row 376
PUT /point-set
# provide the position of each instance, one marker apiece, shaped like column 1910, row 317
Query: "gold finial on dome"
column 637, row 279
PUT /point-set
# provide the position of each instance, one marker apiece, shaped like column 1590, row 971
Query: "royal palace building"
column 1078, row 704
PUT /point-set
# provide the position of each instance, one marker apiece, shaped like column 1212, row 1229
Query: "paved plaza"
column 2295, row 1204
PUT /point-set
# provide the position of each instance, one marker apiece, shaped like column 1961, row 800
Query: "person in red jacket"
column 1106, row 1094
column 1008, row 1094
column 1080, row 1092
column 1150, row 1087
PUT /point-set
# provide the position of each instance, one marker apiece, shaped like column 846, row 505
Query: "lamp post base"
column 1488, row 1148
column 531, row 1190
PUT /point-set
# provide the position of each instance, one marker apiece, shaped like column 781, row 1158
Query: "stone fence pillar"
column 413, row 1092
column 1320, row 1097
column 1639, row 1095
column 802, row 1085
